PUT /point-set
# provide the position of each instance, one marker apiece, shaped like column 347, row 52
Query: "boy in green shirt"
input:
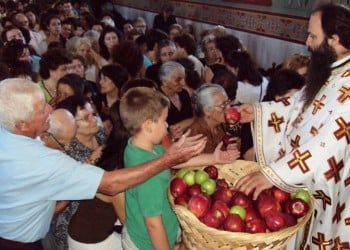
column 150, row 221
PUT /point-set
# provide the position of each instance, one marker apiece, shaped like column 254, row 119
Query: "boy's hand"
column 225, row 156
column 185, row 148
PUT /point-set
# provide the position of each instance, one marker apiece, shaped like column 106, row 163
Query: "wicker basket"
column 196, row 235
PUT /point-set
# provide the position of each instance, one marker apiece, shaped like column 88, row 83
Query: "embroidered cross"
column 338, row 245
column 299, row 159
column 276, row 122
column 334, row 169
column 345, row 94
column 344, row 129
column 281, row 153
column 347, row 181
column 318, row 104
column 337, row 216
column 295, row 143
column 321, row 242
column 325, row 198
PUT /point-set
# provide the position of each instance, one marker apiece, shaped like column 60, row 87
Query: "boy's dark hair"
column 52, row 59
column 187, row 42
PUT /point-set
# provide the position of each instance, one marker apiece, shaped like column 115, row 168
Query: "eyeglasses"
column 224, row 104
column 87, row 117
column 62, row 146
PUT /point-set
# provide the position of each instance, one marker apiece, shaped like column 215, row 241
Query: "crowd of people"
column 95, row 109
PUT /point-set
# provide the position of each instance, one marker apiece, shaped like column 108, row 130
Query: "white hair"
column 17, row 97
column 60, row 119
column 169, row 68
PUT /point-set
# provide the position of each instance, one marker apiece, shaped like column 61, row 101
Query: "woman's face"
column 84, row 50
column 127, row 28
column 64, row 91
column 173, row 33
column 55, row 26
column 212, row 52
column 221, row 104
column 31, row 17
column 86, row 120
column 76, row 67
column 176, row 81
column 166, row 54
column 107, row 85
column 111, row 39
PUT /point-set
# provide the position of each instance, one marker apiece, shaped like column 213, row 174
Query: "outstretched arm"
column 117, row 181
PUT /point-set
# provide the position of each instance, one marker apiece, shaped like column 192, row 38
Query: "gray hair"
column 207, row 39
column 168, row 69
column 58, row 120
column 17, row 97
column 203, row 98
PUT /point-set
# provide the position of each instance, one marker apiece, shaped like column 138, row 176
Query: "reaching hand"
column 247, row 113
column 225, row 156
column 255, row 182
column 185, row 148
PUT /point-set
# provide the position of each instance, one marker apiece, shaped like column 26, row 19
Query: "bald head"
column 62, row 129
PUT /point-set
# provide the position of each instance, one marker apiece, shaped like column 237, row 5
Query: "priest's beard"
column 319, row 70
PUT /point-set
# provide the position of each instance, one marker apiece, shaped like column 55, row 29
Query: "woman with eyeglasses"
column 210, row 102
column 85, row 147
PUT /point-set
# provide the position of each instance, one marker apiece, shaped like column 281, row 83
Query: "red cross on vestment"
column 334, row 170
column 344, row 129
column 295, row 142
column 321, row 242
column 275, row 122
column 318, row 104
column 300, row 160
column 345, row 94
column 338, row 245
column 322, row 196
column 339, row 209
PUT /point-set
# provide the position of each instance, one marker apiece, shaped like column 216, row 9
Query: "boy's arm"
column 157, row 232
column 218, row 157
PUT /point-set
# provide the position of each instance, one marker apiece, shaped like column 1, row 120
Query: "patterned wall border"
column 289, row 28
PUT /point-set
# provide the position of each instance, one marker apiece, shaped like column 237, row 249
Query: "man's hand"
column 225, row 156
column 255, row 182
column 185, row 148
column 247, row 113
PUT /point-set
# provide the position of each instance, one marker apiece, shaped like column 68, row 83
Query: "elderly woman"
column 172, row 76
column 210, row 103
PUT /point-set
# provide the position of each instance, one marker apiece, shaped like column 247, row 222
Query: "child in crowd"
column 150, row 221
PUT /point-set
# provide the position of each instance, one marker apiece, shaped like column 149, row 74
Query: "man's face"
column 39, row 121
column 14, row 34
column 22, row 21
column 316, row 35
column 66, row 30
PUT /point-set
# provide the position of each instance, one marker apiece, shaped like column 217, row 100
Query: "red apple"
column 280, row 195
column 182, row 200
column 255, row 226
column 178, row 187
column 212, row 171
column 218, row 204
column 298, row 207
column 251, row 214
column 286, row 206
column 289, row 219
column 199, row 204
column 241, row 199
column 213, row 218
column 223, row 194
column 232, row 116
column 194, row 189
column 274, row 221
column 227, row 139
column 221, row 183
column 234, row 223
column 266, row 203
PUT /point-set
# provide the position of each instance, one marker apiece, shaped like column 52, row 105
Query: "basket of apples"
column 214, row 215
